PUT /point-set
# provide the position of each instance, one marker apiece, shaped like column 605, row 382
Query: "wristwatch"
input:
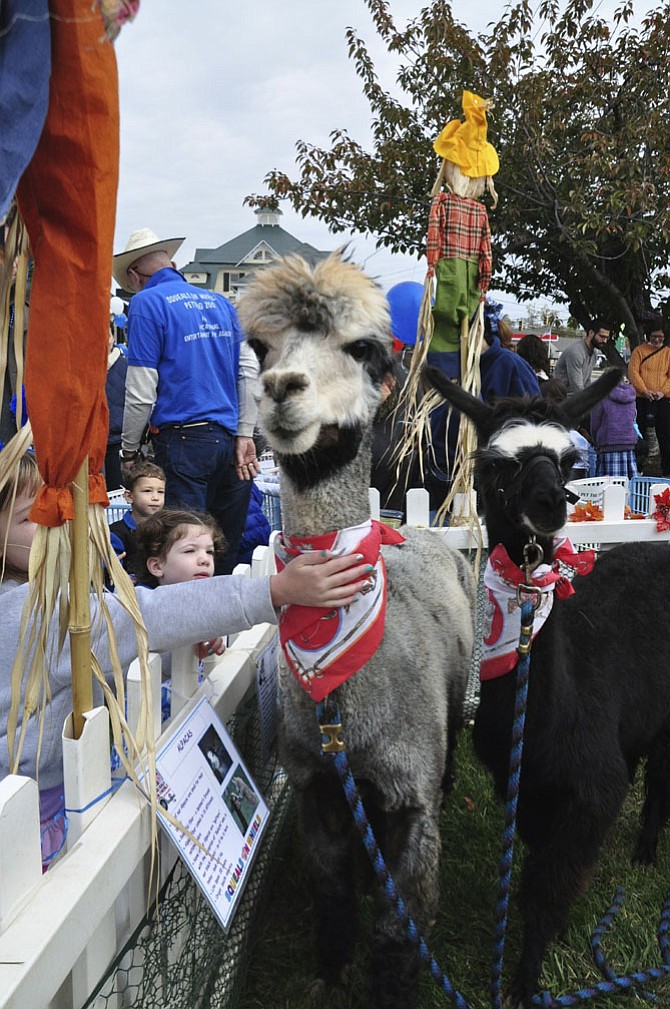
column 127, row 456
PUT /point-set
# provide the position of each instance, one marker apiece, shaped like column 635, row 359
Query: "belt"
column 172, row 427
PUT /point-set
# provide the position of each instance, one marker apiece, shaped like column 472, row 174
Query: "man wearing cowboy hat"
column 193, row 378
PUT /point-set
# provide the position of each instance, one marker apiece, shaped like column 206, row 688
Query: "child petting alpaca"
column 614, row 433
column 180, row 546
column 198, row 610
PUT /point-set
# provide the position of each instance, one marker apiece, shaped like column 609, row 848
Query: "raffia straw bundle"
column 48, row 607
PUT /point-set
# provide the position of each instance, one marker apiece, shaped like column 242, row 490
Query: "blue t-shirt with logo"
column 191, row 337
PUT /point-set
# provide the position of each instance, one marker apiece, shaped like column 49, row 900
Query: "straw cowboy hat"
column 141, row 243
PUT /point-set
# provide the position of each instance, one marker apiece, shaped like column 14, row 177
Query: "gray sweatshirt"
column 174, row 615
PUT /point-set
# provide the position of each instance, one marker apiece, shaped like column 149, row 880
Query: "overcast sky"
column 215, row 94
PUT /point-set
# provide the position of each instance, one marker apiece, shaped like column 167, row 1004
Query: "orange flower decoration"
column 587, row 512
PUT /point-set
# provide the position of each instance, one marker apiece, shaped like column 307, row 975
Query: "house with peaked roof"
column 229, row 267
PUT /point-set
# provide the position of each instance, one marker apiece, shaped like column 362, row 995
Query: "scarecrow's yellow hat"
column 465, row 143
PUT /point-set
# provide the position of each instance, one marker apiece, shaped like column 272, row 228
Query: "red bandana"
column 323, row 648
column 502, row 617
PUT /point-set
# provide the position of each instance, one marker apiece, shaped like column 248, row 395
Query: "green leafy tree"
column 582, row 126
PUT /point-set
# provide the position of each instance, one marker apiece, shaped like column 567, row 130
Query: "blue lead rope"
column 509, row 830
column 333, row 745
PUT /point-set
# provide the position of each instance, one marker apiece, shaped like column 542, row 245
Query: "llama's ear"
column 478, row 412
column 579, row 405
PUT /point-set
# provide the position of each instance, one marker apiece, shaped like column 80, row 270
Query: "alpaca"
column 322, row 336
column 599, row 687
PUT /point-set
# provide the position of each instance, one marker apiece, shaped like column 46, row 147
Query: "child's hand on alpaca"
column 205, row 649
column 315, row 579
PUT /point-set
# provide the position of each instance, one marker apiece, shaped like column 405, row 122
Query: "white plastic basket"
column 592, row 489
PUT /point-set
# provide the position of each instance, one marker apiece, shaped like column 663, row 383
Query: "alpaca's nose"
column 552, row 497
column 280, row 384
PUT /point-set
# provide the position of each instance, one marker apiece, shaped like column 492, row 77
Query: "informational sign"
column 202, row 781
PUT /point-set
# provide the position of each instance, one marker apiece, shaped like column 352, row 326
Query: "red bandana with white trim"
column 502, row 616
column 323, row 648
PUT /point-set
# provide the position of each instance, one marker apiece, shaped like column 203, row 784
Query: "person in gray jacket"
column 174, row 615
column 576, row 363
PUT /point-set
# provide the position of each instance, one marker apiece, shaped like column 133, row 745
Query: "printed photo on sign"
column 164, row 793
column 216, row 753
column 241, row 799
column 205, row 785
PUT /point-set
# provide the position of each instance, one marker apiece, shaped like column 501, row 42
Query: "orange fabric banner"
column 67, row 197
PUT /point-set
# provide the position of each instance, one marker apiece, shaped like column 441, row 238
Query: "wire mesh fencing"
column 179, row 957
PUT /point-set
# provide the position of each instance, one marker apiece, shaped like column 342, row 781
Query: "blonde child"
column 196, row 610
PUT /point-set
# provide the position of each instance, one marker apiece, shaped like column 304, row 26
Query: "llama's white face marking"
column 531, row 483
column 322, row 334
column 511, row 440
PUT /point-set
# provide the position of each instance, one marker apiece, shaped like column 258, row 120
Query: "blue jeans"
column 199, row 464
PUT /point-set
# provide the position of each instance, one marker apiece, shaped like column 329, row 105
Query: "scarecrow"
column 451, row 320
column 458, row 247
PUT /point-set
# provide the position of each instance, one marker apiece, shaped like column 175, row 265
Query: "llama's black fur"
column 599, row 688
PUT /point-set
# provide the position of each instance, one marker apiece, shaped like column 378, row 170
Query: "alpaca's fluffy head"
column 322, row 335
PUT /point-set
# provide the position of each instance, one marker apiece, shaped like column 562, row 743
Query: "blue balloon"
column 405, row 301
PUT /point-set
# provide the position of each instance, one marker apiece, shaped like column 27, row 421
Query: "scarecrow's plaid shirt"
column 458, row 228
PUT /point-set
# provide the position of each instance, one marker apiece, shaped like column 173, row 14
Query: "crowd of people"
column 189, row 392
column 182, row 402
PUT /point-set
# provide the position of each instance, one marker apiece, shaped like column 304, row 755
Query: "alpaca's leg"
column 328, row 849
column 555, row 872
column 656, row 810
column 410, row 843
column 454, row 725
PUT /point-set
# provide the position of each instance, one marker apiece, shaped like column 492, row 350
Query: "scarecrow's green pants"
column 457, row 296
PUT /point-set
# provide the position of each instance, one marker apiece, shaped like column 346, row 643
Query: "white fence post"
column 21, row 863
column 614, row 500
column 263, row 562
column 87, row 771
column 418, row 507
column 86, row 763
column 184, row 676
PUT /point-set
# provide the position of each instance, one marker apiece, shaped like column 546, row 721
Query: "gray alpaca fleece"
column 322, row 334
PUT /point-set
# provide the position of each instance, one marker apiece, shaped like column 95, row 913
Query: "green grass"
column 282, row 962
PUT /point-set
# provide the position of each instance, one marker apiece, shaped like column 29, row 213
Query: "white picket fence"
column 60, row 931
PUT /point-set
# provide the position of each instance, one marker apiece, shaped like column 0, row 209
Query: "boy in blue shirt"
column 145, row 493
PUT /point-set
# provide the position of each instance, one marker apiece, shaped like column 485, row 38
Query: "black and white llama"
column 323, row 339
column 599, row 688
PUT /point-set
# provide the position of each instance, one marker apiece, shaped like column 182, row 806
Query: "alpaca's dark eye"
column 568, row 460
column 259, row 348
column 360, row 350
